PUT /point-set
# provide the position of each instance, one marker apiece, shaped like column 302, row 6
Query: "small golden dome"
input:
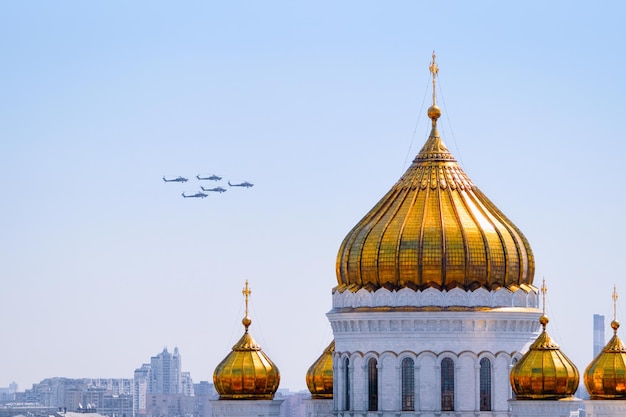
column 247, row 373
column 605, row 377
column 435, row 229
column 319, row 377
column 544, row 372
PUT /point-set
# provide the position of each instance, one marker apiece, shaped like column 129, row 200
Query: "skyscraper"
column 161, row 376
column 598, row 334
column 165, row 373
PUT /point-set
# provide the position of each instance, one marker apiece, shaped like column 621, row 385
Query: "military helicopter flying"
column 177, row 179
column 211, row 178
column 243, row 184
column 216, row 189
column 196, row 195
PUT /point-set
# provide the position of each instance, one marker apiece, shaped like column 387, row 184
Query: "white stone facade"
column 569, row 407
column 319, row 408
column 431, row 297
column 246, row 408
column 605, row 408
column 389, row 326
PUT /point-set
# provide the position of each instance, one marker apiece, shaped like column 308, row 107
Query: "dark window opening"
column 447, row 385
column 408, row 385
column 485, row 384
column 372, row 385
column 347, row 387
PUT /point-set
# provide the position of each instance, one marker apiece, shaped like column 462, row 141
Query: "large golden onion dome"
column 544, row 372
column 319, row 377
column 605, row 377
column 434, row 228
column 247, row 373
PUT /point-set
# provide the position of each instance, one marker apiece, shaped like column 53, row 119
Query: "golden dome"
column 319, row 377
column 544, row 372
column 434, row 228
column 246, row 373
column 605, row 377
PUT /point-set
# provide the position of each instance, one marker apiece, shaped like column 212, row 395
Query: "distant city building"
column 111, row 397
column 140, row 389
column 8, row 394
column 176, row 395
column 165, row 374
column 204, row 388
column 160, row 389
column 114, row 385
column 117, row 405
column 294, row 404
column 598, row 334
column 171, row 405
column 186, row 384
column 204, row 393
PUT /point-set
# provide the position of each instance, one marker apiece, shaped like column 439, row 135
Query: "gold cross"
column 434, row 70
column 246, row 292
column 614, row 303
column 544, row 290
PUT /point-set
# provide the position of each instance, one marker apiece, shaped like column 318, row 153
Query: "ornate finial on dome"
column 246, row 293
column 605, row 377
column 434, row 112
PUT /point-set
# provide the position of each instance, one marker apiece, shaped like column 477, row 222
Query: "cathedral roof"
column 605, row 377
column 319, row 377
column 246, row 373
column 435, row 229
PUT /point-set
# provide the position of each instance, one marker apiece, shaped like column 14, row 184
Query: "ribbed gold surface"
column 246, row 373
column 544, row 372
column 434, row 228
column 605, row 377
column 319, row 377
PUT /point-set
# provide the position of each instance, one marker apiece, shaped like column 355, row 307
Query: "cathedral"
column 435, row 314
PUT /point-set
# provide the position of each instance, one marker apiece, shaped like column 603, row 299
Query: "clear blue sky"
column 103, row 264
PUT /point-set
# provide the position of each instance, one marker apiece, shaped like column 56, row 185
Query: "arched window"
column 346, row 364
column 485, row 384
column 408, row 385
column 447, row 385
column 372, row 385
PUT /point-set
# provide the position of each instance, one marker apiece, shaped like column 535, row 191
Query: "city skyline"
column 322, row 107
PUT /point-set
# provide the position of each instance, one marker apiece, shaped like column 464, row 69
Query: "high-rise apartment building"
column 140, row 389
column 160, row 380
column 165, row 373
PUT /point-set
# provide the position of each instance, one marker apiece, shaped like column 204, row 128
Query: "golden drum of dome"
column 605, row 377
column 434, row 228
column 544, row 372
column 319, row 377
column 246, row 373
